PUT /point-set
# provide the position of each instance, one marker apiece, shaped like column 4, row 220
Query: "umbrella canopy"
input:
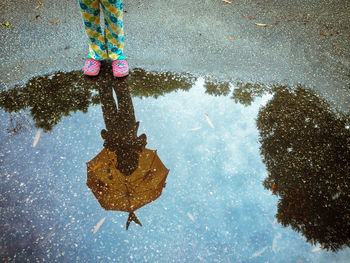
column 115, row 191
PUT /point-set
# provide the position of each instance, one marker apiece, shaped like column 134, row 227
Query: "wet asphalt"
column 258, row 172
column 305, row 43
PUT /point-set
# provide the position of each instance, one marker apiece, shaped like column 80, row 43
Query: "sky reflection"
column 213, row 209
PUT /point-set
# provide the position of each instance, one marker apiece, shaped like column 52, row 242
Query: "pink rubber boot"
column 92, row 67
column 120, row 68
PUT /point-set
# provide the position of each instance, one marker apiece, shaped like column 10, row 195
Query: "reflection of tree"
column 306, row 149
column 246, row 93
column 217, row 88
column 52, row 97
column 155, row 84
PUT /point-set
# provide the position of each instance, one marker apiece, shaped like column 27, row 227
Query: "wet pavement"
column 245, row 103
column 258, row 173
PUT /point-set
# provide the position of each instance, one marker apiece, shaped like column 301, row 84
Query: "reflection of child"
column 125, row 146
column 110, row 44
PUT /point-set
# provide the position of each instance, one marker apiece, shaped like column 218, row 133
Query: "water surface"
column 257, row 173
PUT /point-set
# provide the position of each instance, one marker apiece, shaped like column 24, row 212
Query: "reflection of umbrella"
column 125, row 175
column 115, row 191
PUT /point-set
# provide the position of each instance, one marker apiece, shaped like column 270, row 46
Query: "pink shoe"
column 92, row 67
column 120, row 68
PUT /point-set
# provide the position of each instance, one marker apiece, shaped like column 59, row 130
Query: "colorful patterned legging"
column 110, row 44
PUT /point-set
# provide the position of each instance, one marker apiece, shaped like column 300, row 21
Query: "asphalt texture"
column 306, row 42
column 258, row 172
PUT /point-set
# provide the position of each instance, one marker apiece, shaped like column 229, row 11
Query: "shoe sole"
column 91, row 74
column 121, row 75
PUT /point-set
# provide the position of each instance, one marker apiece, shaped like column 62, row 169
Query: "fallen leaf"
column 47, row 238
column 36, row 138
column 259, row 24
column 190, row 216
column 249, row 16
column 99, row 224
column 230, row 38
column 336, row 48
column 55, row 22
column 277, row 22
column 316, row 249
column 208, row 120
column 323, row 33
column 40, row 4
column 226, row 1
column 304, row 22
column 7, row 24
column 258, row 253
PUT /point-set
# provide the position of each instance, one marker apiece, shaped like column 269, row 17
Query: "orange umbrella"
column 116, row 191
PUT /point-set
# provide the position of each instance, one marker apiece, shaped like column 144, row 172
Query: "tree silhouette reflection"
column 51, row 97
column 217, row 88
column 306, row 149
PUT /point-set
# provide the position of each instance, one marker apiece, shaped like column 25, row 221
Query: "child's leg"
column 114, row 33
column 90, row 10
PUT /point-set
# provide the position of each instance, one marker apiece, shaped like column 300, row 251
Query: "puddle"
column 257, row 173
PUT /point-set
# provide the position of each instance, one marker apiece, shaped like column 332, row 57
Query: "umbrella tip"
column 132, row 217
